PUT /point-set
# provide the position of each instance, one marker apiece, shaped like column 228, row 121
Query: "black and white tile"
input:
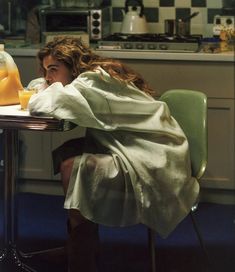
column 156, row 11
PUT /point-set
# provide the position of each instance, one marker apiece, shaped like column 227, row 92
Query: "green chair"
column 189, row 108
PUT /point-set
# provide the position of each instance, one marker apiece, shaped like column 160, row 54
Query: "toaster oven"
column 96, row 22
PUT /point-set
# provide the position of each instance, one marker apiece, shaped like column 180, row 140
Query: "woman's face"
column 56, row 71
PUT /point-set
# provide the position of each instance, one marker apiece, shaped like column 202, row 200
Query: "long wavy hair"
column 78, row 58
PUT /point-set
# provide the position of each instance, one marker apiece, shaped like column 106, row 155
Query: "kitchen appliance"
column 179, row 27
column 96, row 22
column 150, row 42
column 77, row 3
column 134, row 21
column 83, row 36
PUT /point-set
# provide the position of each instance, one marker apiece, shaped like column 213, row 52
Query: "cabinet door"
column 35, row 155
column 220, row 168
column 35, row 160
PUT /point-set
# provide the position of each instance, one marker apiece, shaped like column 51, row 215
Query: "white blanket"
column 145, row 175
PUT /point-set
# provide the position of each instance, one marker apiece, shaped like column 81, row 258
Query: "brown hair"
column 79, row 58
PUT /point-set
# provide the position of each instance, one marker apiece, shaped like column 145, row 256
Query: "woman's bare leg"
column 65, row 171
column 83, row 241
column 66, row 167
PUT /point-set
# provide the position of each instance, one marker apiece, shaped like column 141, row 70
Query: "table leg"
column 10, row 255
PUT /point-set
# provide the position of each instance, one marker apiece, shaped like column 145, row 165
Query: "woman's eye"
column 52, row 71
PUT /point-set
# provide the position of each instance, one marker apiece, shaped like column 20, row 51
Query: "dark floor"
column 41, row 225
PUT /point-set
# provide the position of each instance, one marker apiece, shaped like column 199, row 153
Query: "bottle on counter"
column 3, row 69
column 10, row 81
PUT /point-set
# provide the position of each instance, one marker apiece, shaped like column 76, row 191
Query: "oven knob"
column 229, row 21
column 128, row 46
column 96, row 15
column 163, row 46
column 96, row 23
column 96, row 31
column 139, row 46
column 151, row 46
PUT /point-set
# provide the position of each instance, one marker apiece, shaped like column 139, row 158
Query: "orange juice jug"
column 10, row 81
column 3, row 69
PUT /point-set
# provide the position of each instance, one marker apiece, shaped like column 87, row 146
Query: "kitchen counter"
column 144, row 55
column 226, row 56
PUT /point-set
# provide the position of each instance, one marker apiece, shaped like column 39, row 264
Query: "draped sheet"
column 144, row 175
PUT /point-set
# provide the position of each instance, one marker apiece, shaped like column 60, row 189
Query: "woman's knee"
column 91, row 163
column 66, row 165
column 66, row 171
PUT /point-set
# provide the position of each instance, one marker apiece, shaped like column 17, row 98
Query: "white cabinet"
column 35, row 160
column 220, row 168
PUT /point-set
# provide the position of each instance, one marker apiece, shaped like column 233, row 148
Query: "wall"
column 157, row 11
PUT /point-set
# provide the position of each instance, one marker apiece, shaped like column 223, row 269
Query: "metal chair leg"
column 151, row 243
column 199, row 236
column 42, row 252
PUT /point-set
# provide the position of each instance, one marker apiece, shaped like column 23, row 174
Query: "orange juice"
column 8, row 88
column 24, row 96
column 3, row 73
column 10, row 81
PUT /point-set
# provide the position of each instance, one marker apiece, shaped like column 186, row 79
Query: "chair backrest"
column 189, row 108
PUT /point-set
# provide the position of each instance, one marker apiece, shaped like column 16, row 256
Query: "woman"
column 133, row 165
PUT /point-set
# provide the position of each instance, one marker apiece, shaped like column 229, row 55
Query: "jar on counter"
column 227, row 37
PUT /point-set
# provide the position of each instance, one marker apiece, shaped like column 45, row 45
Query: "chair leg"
column 199, row 236
column 50, row 251
column 151, row 243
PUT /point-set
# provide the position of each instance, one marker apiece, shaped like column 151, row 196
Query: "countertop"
column 13, row 110
column 140, row 54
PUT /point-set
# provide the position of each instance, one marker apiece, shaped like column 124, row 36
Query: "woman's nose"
column 48, row 79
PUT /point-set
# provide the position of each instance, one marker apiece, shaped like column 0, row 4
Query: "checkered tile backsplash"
column 156, row 11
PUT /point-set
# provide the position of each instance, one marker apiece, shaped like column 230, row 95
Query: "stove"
column 150, row 42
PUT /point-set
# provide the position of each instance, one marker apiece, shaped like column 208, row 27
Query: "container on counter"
column 227, row 37
column 10, row 81
column 210, row 45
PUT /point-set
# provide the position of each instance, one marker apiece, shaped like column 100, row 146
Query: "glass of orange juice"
column 24, row 96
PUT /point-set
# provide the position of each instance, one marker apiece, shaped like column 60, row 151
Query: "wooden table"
column 12, row 119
